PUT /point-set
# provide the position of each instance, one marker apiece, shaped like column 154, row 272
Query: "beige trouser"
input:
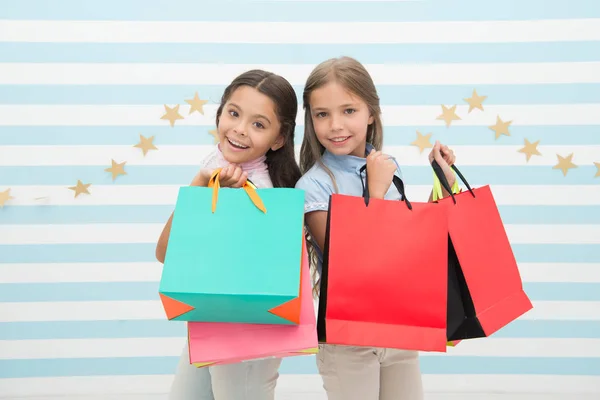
column 252, row 380
column 368, row 373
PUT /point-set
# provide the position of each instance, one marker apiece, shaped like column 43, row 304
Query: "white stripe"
column 150, row 232
column 564, row 310
column 526, row 383
column 80, row 272
column 82, row 385
column 300, row 32
column 152, row 309
column 553, row 234
column 151, row 272
column 150, row 115
column 572, row 195
column 409, row 155
column 223, row 74
column 92, row 348
column 560, row 272
column 172, row 346
column 482, row 386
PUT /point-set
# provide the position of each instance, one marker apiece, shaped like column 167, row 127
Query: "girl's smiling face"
column 248, row 127
column 340, row 119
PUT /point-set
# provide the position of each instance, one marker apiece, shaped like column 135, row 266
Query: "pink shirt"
column 257, row 169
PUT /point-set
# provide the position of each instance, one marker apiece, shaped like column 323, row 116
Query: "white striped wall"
column 79, row 83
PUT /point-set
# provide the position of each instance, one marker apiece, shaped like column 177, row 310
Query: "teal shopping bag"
column 234, row 255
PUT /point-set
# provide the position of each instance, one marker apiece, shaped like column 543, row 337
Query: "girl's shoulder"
column 318, row 187
column 315, row 179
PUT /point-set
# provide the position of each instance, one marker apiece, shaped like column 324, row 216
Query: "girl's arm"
column 445, row 158
column 163, row 241
column 317, row 223
column 201, row 179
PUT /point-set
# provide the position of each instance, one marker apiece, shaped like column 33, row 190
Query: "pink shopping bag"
column 226, row 343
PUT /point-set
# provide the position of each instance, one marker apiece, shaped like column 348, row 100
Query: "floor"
column 309, row 387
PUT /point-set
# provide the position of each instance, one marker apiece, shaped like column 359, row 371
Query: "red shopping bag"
column 384, row 280
column 485, row 291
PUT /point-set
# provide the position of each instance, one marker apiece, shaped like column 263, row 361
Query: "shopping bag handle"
column 248, row 187
column 444, row 181
column 395, row 180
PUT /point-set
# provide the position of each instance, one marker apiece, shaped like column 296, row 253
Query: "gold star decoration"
column 530, row 149
column 4, row 197
column 597, row 164
column 80, row 188
column 501, row 127
column 116, row 169
column 565, row 163
column 172, row 114
column 448, row 115
column 196, row 104
column 146, row 144
column 475, row 101
column 422, row 141
column 215, row 134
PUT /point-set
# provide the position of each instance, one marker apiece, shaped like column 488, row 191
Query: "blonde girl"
column 343, row 131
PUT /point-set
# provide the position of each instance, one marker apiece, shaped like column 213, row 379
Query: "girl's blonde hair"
column 354, row 77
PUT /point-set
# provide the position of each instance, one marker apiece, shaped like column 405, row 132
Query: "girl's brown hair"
column 283, row 169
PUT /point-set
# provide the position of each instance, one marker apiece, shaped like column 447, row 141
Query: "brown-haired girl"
column 255, row 121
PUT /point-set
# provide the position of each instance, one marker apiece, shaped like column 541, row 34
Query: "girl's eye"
column 233, row 113
column 259, row 125
column 350, row 110
column 322, row 114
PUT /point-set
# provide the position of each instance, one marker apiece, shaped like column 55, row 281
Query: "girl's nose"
column 240, row 129
column 336, row 124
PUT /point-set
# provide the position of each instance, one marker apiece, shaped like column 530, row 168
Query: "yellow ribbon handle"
column 248, row 187
column 437, row 187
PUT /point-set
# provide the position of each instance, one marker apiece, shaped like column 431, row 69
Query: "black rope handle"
column 395, row 180
column 444, row 181
column 463, row 179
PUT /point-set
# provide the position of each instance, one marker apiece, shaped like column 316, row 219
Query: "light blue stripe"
column 562, row 291
column 438, row 364
column 182, row 175
column 125, row 291
column 159, row 214
column 145, row 252
column 389, row 94
column 197, row 135
column 164, row 328
column 550, row 329
column 140, row 252
column 223, row 10
column 92, row 329
column 247, row 53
